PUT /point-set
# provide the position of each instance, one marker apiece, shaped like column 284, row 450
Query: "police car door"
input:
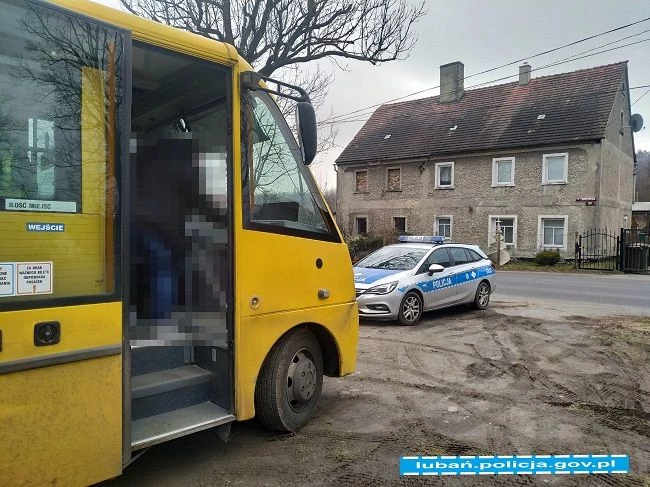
column 436, row 289
column 464, row 276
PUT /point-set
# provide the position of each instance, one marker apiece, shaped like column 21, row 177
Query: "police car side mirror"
column 434, row 268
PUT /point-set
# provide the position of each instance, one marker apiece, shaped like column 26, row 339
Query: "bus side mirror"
column 307, row 133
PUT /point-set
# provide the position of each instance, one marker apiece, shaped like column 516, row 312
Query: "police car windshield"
column 393, row 258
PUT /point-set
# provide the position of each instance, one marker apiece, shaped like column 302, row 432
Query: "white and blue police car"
column 422, row 273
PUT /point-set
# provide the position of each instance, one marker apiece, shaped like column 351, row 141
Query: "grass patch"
column 529, row 265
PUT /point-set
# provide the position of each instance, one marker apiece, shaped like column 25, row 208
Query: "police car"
column 422, row 273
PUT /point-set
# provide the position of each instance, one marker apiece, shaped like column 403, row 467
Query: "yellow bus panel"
column 62, row 425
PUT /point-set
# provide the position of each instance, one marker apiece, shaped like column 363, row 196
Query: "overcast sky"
column 484, row 35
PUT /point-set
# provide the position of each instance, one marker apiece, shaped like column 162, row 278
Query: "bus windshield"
column 281, row 193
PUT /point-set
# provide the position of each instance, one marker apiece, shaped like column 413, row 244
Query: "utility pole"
column 498, row 237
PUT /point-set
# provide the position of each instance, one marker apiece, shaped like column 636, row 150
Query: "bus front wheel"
column 290, row 383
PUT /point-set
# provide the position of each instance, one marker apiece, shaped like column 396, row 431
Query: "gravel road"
column 521, row 377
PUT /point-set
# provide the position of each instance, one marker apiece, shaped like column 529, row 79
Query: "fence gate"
column 635, row 250
column 598, row 249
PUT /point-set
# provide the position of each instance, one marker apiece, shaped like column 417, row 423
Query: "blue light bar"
column 434, row 239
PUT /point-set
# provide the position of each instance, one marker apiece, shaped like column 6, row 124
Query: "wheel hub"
column 301, row 380
column 411, row 308
column 483, row 295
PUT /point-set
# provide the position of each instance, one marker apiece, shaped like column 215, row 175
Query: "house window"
column 555, row 168
column 503, row 171
column 553, row 231
column 394, row 179
column 399, row 223
column 361, row 181
column 444, row 175
column 508, row 224
column 361, row 225
column 443, row 226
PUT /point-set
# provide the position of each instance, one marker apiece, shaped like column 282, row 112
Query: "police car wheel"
column 410, row 309
column 482, row 297
column 290, row 382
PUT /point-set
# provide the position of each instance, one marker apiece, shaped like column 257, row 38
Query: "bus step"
column 174, row 424
column 145, row 360
column 168, row 380
column 166, row 390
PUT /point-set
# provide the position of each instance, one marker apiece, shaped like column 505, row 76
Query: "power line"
column 563, row 61
column 609, row 43
column 647, row 91
column 574, row 57
column 593, row 54
column 499, row 67
column 585, row 94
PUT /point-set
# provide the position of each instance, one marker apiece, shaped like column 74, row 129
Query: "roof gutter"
column 569, row 144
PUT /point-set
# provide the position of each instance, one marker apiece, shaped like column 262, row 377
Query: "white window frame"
column 540, row 231
column 406, row 223
column 564, row 180
column 356, row 227
column 451, row 225
column 367, row 181
column 438, row 166
column 495, row 172
column 400, row 178
column 514, row 228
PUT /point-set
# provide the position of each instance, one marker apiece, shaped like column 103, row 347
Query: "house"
column 544, row 157
column 641, row 215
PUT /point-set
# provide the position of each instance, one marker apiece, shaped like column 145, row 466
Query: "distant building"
column 641, row 214
column 545, row 157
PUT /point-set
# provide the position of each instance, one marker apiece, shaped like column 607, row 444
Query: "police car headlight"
column 382, row 288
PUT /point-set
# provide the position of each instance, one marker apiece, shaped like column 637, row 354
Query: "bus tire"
column 290, row 383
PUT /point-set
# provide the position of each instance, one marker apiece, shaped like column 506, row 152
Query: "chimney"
column 524, row 74
column 451, row 82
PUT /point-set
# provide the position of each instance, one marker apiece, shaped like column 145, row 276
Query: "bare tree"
column 643, row 175
column 281, row 36
column 316, row 82
column 330, row 196
column 271, row 34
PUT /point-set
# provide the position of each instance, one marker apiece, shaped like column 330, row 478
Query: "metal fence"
column 598, row 249
column 635, row 251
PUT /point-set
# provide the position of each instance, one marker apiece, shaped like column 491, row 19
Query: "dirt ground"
column 519, row 378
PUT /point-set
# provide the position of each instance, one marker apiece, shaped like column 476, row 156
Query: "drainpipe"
column 599, row 211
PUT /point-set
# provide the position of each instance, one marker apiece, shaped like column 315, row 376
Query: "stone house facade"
column 544, row 159
column 641, row 215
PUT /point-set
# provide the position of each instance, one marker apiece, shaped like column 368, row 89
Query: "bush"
column 547, row 257
column 362, row 245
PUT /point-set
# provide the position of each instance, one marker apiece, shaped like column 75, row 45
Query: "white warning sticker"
column 7, row 279
column 34, row 278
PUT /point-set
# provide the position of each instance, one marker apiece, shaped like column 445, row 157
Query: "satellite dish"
column 636, row 121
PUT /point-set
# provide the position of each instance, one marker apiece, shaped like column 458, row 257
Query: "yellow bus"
column 167, row 263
